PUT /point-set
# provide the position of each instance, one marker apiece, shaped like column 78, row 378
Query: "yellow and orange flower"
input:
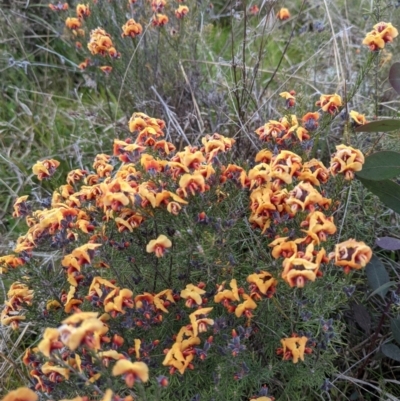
column 330, row 103
column 246, row 307
column 314, row 172
column 351, row 254
column 131, row 371
column 181, row 354
column 45, row 168
column 82, row 11
column 106, row 69
column 382, row 33
column 310, row 121
column 283, row 14
column 21, row 394
column 192, row 183
column 132, row 29
column 262, row 283
column 318, row 227
column 200, row 321
column 159, row 20
column 159, row 246
column 357, row 119
column 294, row 348
column 21, row 207
column 181, row 11
column 73, row 23
column 289, row 97
column 346, row 160
column 192, row 294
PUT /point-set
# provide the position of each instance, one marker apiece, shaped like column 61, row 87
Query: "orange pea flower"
column 54, row 373
column 262, row 283
column 357, row 119
column 192, row 294
column 283, row 248
column 163, row 299
column 329, row 103
column 294, row 348
column 180, row 356
column 21, row 394
column 289, row 97
column 158, row 5
column 314, row 172
column 192, row 183
column 82, row 11
column 199, row 320
column 382, row 33
column 73, row 23
column 106, row 69
column 305, row 197
column 351, row 254
column 346, row 161
column 21, row 207
column 254, row 10
column 246, row 307
column 10, row 261
column 85, row 253
column 283, row 14
column 131, row 371
column 132, row 29
column 271, row 130
column 85, row 64
column 181, row 11
column 45, row 168
column 159, row 20
column 88, row 333
column 310, row 121
column 159, row 246
column 318, row 227
column 226, row 297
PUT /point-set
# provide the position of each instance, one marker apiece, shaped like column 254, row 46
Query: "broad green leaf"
column 388, row 243
column 383, row 287
column 381, row 166
column 377, row 276
column 395, row 326
column 394, row 77
column 387, row 191
column 392, row 351
column 380, row 126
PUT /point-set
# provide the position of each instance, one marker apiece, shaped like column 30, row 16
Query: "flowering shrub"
column 171, row 272
column 166, row 263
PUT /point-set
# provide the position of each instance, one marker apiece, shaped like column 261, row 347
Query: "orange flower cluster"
column 132, row 29
column 18, row 296
column 96, row 214
column 100, row 43
column 382, row 33
column 180, row 356
column 286, row 130
column 262, row 285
